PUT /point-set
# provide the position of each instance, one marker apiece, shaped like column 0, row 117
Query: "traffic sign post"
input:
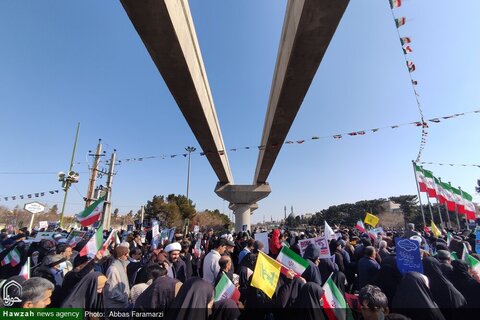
column 33, row 208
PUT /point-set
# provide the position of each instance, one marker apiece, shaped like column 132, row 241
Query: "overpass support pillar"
column 243, row 200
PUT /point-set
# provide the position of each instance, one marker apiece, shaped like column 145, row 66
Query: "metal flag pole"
column 466, row 219
column 418, row 190
column 439, row 190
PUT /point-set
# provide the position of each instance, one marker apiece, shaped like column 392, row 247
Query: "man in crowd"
column 211, row 268
column 36, row 293
column 117, row 289
column 179, row 268
column 367, row 267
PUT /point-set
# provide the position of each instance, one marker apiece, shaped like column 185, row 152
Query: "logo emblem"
column 12, row 291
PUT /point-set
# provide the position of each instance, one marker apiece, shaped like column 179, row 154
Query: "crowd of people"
column 177, row 278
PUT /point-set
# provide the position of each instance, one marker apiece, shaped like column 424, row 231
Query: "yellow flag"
column 266, row 274
column 435, row 230
column 371, row 219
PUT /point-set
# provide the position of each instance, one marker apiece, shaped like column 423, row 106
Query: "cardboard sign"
column 321, row 241
column 408, row 255
column 263, row 238
column 44, row 235
column 43, row 225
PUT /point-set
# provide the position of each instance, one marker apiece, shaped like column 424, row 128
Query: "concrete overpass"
column 167, row 30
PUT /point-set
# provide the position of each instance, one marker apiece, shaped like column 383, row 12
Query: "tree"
column 115, row 214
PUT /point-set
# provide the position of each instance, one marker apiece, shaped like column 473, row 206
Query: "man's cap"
column 173, row 247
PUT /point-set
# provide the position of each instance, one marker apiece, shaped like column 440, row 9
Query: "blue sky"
column 64, row 62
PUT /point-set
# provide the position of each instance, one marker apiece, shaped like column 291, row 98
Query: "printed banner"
column 408, row 255
column 44, row 235
column 321, row 241
column 477, row 241
column 263, row 237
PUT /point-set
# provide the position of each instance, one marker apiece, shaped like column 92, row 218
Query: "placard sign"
column 263, row 238
column 321, row 241
column 408, row 255
column 43, row 224
column 44, row 235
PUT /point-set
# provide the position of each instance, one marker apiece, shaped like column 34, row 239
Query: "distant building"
column 391, row 207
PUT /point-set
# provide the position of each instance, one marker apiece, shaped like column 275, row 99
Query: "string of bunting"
column 338, row 136
column 452, row 164
column 404, row 42
column 28, row 196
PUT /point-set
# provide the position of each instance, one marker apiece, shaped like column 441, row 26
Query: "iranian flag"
column 292, row 260
column 395, row 3
column 111, row 238
column 457, row 196
column 25, row 271
column 92, row 214
column 334, row 303
column 470, row 210
column 94, row 244
column 405, row 40
column 225, row 289
column 430, row 183
column 439, row 191
column 407, row 50
column 360, row 226
column 400, row 21
column 12, row 258
column 474, row 263
column 449, row 238
column 419, row 172
column 448, row 194
column 411, row 66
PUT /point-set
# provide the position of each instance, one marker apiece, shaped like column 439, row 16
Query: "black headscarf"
column 414, row 299
column 465, row 283
column 158, row 296
column 388, row 278
column 84, row 294
column 308, row 302
column 443, row 291
column 191, row 301
column 225, row 310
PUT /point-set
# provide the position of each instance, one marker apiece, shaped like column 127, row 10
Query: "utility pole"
column 107, row 206
column 93, row 177
column 142, row 216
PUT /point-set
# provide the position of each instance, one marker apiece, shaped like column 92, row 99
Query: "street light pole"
column 71, row 178
column 189, row 150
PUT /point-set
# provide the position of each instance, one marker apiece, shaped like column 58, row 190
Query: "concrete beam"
column 308, row 28
column 167, row 31
column 243, row 200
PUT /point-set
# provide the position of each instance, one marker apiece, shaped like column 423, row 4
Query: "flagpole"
column 440, row 213
column 418, row 190
column 448, row 212
column 456, row 209
column 431, row 212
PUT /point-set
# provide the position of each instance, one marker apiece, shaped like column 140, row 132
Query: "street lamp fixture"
column 67, row 180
